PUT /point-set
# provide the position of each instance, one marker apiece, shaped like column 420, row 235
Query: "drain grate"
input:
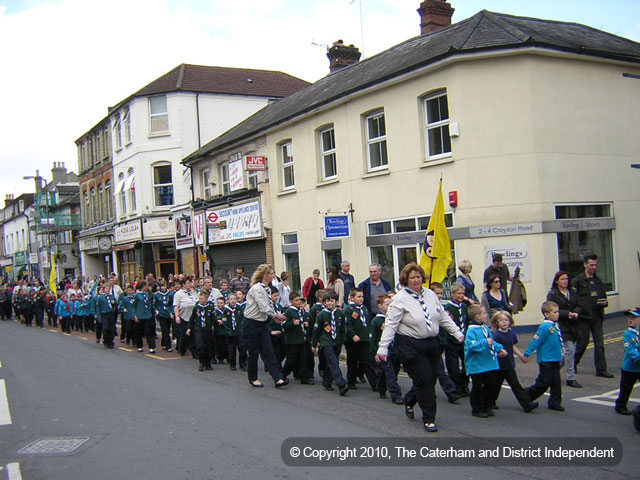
column 53, row 445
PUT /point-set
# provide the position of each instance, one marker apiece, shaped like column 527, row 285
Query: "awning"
column 119, row 186
column 130, row 182
column 124, row 246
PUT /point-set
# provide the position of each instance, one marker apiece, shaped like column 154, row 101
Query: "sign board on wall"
column 240, row 222
column 129, row 232
column 336, row 226
column 184, row 231
column 89, row 243
column 158, row 228
column 236, row 177
column 198, row 229
column 514, row 255
column 256, row 163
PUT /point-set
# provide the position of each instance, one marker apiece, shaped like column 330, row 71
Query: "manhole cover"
column 54, row 445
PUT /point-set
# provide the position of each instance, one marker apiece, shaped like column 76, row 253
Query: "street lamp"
column 39, row 188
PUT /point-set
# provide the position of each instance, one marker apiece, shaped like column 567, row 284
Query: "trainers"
column 169, row 349
column 141, row 350
column 151, row 350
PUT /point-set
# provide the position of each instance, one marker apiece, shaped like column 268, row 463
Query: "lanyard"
column 425, row 309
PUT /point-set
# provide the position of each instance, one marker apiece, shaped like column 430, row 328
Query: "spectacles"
column 496, row 281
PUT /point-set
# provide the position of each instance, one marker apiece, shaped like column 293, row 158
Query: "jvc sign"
column 337, row 227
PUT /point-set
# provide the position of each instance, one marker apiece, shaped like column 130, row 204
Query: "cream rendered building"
column 533, row 125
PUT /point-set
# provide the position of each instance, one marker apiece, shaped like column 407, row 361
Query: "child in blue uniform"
column 548, row 343
column 357, row 340
column 275, row 328
column 631, row 362
column 201, row 327
column 296, row 328
column 127, row 313
column 106, row 308
column 501, row 323
column 481, row 362
column 232, row 315
column 163, row 306
column 62, row 310
column 220, row 350
column 145, row 324
column 388, row 374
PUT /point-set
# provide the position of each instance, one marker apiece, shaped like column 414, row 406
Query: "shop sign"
column 128, row 232
column 197, row 228
column 505, row 230
column 513, row 256
column 255, row 163
column 240, row 222
column 236, row 176
column 336, row 226
column 20, row 258
column 158, row 228
column 184, row 231
column 88, row 243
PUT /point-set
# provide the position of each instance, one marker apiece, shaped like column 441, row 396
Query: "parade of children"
column 416, row 338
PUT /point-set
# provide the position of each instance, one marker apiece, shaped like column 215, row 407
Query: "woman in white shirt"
column 184, row 301
column 413, row 321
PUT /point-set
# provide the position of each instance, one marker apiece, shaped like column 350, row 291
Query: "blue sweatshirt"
column 631, row 342
column 547, row 342
column 479, row 357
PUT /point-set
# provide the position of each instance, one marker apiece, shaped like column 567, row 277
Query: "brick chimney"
column 434, row 15
column 8, row 199
column 341, row 56
column 58, row 173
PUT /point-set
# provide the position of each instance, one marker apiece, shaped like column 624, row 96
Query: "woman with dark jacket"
column 495, row 298
column 567, row 301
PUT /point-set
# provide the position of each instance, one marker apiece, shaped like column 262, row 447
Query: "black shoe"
column 201, row 368
column 361, row 380
column 557, row 408
column 329, row 388
column 353, row 386
column 479, row 414
column 383, row 395
column 208, row 367
column 490, row 413
column 344, row 389
column 397, row 401
column 623, row 411
column 494, row 407
column 214, row 362
column 408, row 410
column 573, row 383
column 453, row 398
column 233, row 369
column 463, row 393
column 243, row 368
column 604, row 374
column 529, row 407
column 282, row 383
column 430, row 427
column 307, row 382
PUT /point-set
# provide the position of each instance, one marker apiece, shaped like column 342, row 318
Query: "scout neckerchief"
column 555, row 324
column 164, row 298
column 233, row 316
column 425, row 309
column 460, row 316
column 363, row 317
column 333, row 322
column 200, row 309
column 487, row 333
column 300, row 317
column 635, row 341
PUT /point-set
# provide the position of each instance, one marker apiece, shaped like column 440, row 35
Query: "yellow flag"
column 52, row 277
column 435, row 255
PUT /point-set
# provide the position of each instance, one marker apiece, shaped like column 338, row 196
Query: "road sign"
column 212, row 218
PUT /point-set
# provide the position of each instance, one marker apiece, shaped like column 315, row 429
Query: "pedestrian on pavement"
column 240, row 282
column 311, row 286
column 373, row 287
column 464, row 278
column 569, row 321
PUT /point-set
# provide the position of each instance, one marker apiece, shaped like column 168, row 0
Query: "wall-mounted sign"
column 505, row 230
column 236, row 177
column 128, row 232
column 88, row 243
column 240, row 222
column 158, row 228
column 514, row 255
column 184, row 231
column 256, row 163
column 198, row 229
column 336, row 226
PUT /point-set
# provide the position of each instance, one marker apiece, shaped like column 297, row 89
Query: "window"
column 99, row 146
column 91, row 152
column 94, row 206
column 122, row 196
column 291, row 260
column 87, row 209
column 162, row 185
column 573, row 246
column 384, row 256
column 376, row 141
column 224, row 175
column 105, row 142
column 130, row 188
column 83, row 155
column 437, row 121
column 100, row 218
column 333, row 258
column 108, row 199
column 206, row 184
column 286, row 157
column 328, row 154
column 158, row 116
column 117, row 132
column 126, row 122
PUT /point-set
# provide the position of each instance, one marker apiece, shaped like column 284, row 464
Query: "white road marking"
column 608, row 399
column 0, row 364
column 5, row 414
column 509, row 388
column 14, row 471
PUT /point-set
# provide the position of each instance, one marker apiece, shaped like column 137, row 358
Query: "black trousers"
column 483, row 390
column 38, row 313
column 232, row 350
column 277, row 341
column 258, row 341
column 88, row 323
column 512, row 379
column 98, row 330
column 359, row 355
column 454, row 360
column 165, row 328
column 125, row 328
column 332, row 372
column 593, row 328
column 297, row 361
column 203, row 340
column 145, row 327
column 420, row 358
column 388, row 377
column 221, row 349
column 548, row 377
column 108, row 329
column 65, row 324
column 184, row 340
column 627, row 381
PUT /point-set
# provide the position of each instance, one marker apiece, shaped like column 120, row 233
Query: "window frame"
column 117, row 132
column 207, row 187
column 225, row 183
column 156, row 186
column 126, row 121
column 287, row 163
column 441, row 125
column 379, row 140
column 154, row 117
column 329, row 153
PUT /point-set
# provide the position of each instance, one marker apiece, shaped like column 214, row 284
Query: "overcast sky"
column 64, row 62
